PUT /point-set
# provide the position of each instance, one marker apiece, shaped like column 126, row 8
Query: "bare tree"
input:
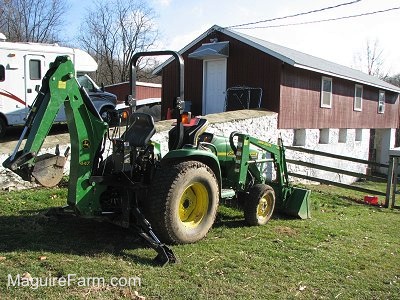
column 113, row 32
column 32, row 20
column 395, row 79
column 371, row 60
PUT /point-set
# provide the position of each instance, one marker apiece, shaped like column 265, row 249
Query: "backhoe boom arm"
column 86, row 128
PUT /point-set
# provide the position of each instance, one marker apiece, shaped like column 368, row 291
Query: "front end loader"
column 121, row 176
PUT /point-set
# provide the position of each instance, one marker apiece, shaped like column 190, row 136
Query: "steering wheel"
column 231, row 142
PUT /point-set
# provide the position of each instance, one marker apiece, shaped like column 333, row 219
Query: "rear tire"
column 183, row 202
column 259, row 204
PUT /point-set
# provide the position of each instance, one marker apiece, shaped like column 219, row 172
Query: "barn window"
column 359, row 135
column 326, row 92
column 381, row 102
column 299, row 137
column 324, row 135
column 2, row 73
column 358, row 94
column 342, row 135
column 34, row 69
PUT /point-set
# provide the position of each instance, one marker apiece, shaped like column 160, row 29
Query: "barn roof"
column 295, row 58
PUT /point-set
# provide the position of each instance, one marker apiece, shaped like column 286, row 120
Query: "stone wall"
column 263, row 125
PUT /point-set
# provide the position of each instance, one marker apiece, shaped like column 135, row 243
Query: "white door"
column 214, row 86
column 35, row 69
column 34, row 72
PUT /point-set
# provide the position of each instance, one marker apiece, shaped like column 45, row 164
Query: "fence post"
column 389, row 181
column 394, row 191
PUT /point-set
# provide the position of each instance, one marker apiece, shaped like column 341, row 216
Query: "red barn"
column 144, row 90
column 306, row 91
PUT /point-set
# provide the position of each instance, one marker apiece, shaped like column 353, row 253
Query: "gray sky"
column 181, row 21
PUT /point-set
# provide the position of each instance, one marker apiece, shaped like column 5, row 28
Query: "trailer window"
column 34, row 69
column 2, row 73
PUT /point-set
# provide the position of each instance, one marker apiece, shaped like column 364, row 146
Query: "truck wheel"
column 259, row 204
column 3, row 127
column 183, row 202
column 105, row 114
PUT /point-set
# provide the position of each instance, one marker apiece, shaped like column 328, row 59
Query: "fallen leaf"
column 137, row 296
column 277, row 241
column 42, row 257
column 337, row 296
column 250, row 237
column 210, row 260
column 27, row 276
column 302, row 287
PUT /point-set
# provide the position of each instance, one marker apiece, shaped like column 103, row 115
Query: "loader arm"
column 245, row 162
column 86, row 129
column 290, row 200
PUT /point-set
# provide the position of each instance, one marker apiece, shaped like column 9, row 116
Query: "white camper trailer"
column 22, row 67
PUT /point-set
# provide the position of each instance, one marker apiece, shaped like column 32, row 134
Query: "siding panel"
column 142, row 92
column 300, row 104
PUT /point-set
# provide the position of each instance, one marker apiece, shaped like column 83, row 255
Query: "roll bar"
column 133, row 67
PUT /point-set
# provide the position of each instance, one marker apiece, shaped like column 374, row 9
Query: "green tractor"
column 171, row 199
column 207, row 168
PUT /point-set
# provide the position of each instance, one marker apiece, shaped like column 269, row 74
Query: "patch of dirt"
column 284, row 230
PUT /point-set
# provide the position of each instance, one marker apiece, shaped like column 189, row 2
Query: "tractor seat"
column 191, row 133
column 140, row 131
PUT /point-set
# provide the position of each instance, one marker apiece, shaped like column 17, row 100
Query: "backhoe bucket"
column 298, row 203
column 49, row 169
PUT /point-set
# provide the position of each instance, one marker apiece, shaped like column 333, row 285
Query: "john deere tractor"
column 171, row 199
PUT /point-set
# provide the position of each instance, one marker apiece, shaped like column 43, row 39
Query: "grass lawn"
column 346, row 251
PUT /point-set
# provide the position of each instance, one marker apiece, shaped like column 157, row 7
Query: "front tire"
column 106, row 115
column 183, row 202
column 259, row 204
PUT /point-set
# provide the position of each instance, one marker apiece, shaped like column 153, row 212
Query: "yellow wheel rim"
column 264, row 207
column 193, row 205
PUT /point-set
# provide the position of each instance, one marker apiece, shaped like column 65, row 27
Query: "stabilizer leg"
column 143, row 227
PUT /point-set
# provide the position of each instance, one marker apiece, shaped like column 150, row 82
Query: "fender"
column 104, row 99
column 206, row 157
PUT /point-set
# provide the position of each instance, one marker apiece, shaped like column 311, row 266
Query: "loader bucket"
column 49, row 169
column 298, row 203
